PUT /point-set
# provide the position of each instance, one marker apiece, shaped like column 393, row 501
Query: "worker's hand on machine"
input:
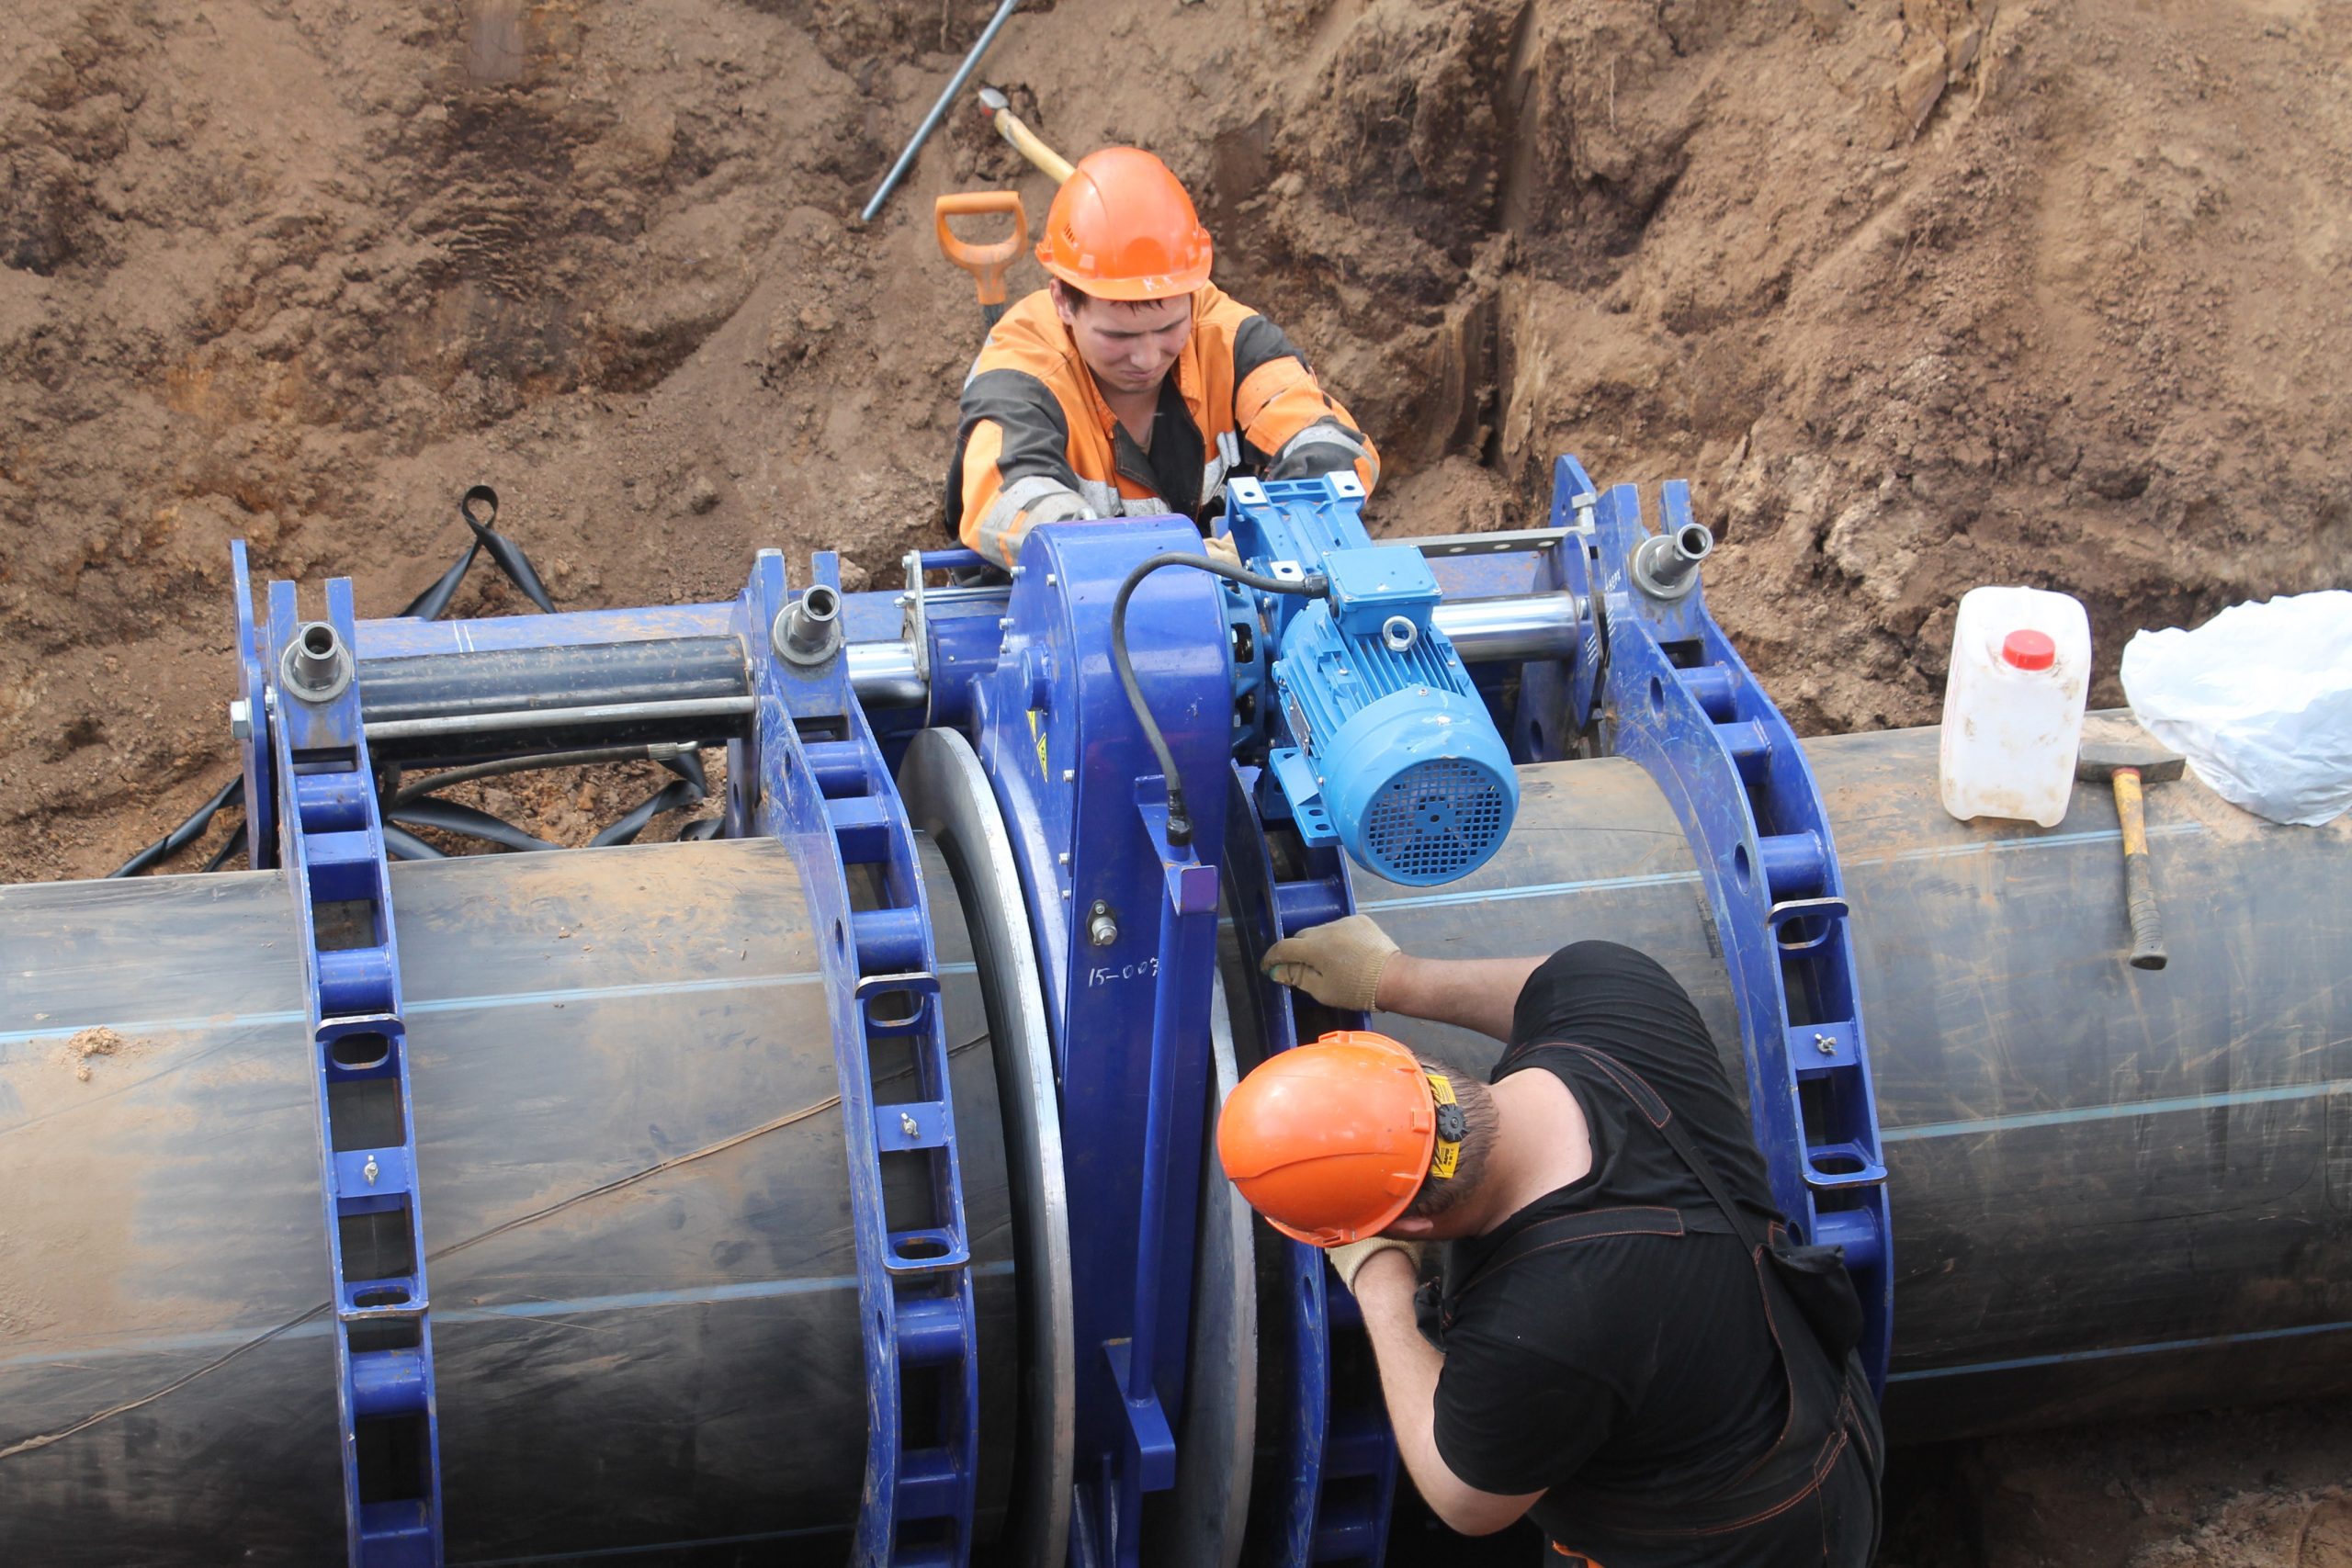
column 1221, row 547
column 1338, row 963
column 1349, row 1257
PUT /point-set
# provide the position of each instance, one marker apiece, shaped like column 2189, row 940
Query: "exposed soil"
column 1918, row 293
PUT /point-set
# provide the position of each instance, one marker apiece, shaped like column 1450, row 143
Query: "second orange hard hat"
column 1122, row 228
column 1330, row 1141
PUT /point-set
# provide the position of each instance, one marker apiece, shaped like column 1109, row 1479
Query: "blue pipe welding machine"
column 1376, row 739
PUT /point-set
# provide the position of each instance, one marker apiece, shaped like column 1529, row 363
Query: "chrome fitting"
column 315, row 667
column 1665, row 566
column 807, row 631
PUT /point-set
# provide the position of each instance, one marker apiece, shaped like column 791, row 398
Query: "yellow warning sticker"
column 1037, row 733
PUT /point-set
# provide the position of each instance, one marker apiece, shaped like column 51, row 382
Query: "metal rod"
column 1483, row 631
column 550, row 719
column 931, row 120
column 1493, row 631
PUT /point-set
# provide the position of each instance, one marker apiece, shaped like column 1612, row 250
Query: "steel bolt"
column 1101, row 929
column 241, row 719
column 906, row 1124
column 1825, row 1044
column 370, row 1170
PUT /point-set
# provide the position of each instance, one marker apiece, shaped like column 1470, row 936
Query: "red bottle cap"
column 2030, row 649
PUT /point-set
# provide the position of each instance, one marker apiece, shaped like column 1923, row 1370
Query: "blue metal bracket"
column 332, row 844
column 823, row 787
column 1339, row 1456
column 1125, row 934
column 1680, row 700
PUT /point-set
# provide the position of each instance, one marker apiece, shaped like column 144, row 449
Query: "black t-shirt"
column 1637, row 1363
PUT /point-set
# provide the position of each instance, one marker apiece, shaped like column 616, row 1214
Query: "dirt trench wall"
column 1919, row 295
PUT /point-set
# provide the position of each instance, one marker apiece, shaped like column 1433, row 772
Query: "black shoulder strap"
column 1661, row 1116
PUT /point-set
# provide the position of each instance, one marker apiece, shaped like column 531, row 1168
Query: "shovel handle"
column 2139, row 889
column 985, row 263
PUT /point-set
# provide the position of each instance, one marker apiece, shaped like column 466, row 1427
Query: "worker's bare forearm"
column 1409, row 1366
column 1470, row 993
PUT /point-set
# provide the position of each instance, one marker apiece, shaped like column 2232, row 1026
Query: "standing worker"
column 1130, row 386
column 1617, row 1352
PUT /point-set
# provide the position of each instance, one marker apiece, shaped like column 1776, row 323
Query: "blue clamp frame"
column 330, row 843
column 1125, row 926
column 1678, row 700
column 823, row 787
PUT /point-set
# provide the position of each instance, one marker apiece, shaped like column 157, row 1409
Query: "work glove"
column 1221, row 547
column 1349, row 1257
column 1338, row 963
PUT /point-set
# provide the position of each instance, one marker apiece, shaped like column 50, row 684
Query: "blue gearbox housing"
column 1378, row 740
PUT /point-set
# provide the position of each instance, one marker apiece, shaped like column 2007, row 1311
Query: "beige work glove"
column 1338, row 963
column 1349, row 1257
column 1221, row 547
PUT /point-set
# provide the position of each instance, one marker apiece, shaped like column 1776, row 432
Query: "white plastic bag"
column 2259, row 700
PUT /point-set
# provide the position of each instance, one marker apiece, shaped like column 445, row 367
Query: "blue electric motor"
column 1381, row 744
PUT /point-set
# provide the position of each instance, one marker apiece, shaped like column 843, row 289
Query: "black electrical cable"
column 1313, row 586
column 507, row 555
column 231, row 846
column 230, row 794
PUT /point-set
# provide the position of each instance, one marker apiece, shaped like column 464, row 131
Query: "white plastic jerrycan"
column 2013, row 705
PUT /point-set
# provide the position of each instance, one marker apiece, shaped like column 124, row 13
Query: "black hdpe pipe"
column 2115, row 1192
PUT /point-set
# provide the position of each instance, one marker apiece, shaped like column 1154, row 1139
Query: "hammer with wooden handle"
column 2124, row 757
column 998, row 110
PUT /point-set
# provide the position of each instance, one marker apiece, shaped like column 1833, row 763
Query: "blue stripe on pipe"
column 2108, row 1113
column 2034, row 842
column 441, row 1004
column 1540, row 890
column 635, row 1301
column 2112, row 1352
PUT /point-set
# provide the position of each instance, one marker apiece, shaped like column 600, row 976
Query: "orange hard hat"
column 1330, row 1141
column 1122, row 228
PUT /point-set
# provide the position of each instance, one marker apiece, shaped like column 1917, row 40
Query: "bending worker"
column 1610, row 1351
column 1130, row 386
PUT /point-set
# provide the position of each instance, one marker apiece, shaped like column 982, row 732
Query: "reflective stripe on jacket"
column 1037, row 444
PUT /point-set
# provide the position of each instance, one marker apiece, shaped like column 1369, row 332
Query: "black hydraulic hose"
column 672, row 796
column 687, row 765
column 1313, row 586
column 230, row 794
column 406, row 845
column 420, row 788
column 452, row 818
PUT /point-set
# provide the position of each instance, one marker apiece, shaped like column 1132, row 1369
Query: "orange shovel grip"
column 985, row 263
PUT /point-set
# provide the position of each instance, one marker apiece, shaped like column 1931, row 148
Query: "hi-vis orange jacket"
column 1039, row 445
